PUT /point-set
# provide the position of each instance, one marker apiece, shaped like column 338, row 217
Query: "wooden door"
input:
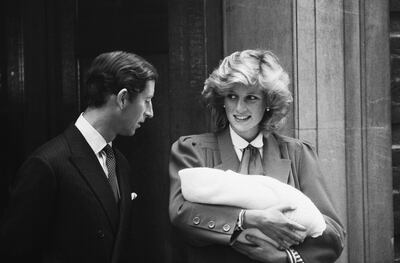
column 38, row 78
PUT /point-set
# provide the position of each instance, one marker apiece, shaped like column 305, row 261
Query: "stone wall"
column 395, row 92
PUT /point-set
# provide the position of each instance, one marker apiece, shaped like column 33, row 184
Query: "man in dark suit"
column 71, row 199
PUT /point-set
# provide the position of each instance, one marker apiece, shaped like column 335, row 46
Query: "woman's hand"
column 261, row 250
column 274, row 224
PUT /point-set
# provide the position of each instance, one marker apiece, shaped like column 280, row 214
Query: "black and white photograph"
column 200, row 131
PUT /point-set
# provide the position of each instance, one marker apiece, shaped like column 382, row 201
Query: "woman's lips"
column 241, row 118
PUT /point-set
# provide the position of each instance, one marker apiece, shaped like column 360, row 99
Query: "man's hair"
column 113, row 71
column 249, row 68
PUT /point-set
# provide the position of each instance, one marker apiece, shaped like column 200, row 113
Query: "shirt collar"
column 91, row 135
column 241, row 143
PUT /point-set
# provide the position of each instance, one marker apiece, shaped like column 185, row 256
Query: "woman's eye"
column 231, row 96
column 252, row 98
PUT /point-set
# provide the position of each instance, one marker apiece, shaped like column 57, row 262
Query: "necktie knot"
column 251, row 161
column 250, row 147
column 108, row 151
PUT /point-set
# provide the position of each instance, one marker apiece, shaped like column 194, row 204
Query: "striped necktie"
column 112, row 175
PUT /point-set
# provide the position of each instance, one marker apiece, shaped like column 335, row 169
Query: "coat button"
column 211, row 224
column 226, row 227
column 196, row 220
column 100, row 233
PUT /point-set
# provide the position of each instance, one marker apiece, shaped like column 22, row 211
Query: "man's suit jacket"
column 208, row 228
column 62, row 208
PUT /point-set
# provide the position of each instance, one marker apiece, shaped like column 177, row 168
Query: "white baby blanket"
column 214, row 186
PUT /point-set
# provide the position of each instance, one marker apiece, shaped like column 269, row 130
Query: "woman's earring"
column 223, row 106
column 267, row 108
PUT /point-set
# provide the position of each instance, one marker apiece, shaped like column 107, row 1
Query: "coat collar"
column 229, row 158
column 273, row 164
column 85, row 160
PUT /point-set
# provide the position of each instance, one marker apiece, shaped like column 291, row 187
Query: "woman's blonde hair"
column 259, row 68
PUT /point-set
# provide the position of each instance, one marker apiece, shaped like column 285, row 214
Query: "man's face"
column 138, row 110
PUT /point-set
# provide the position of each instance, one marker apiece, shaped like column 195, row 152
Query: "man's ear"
column 122, row 98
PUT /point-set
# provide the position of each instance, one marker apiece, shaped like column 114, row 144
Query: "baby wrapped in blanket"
column 217, row 187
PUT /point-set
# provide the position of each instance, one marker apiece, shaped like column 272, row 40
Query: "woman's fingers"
column 258, row 241
column 293, row 226
column 282, row 239
column 274, row 224
column 271, row 241
column 288, row 239
column 289, row 235
column 285, row 208
column 295, row 235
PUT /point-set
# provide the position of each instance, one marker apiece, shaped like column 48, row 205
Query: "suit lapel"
column 123, row 181
column 89, row 167
column 229, row 158
column 273, row 164
column 123, row 173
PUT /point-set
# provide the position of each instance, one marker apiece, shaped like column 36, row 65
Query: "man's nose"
column 149, row 111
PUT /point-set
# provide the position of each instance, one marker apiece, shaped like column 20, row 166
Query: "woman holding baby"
column 249, row 98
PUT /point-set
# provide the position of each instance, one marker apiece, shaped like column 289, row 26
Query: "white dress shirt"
column 239, row 143
column 94, row 139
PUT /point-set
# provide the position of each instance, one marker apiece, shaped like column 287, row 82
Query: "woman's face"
column 244, row 107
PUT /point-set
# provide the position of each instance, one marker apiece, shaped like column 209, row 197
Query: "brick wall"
column 395, row 92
